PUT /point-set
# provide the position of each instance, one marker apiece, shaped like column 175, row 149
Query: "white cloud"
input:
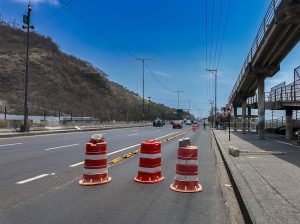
column 36, row 2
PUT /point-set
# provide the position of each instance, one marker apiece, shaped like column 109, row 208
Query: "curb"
column 18, row 134
column 250, row 208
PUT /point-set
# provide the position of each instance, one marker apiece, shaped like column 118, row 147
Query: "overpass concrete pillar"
column 261, row 106
column 234, row 119
column 249, row 119
column 289, row 124
column 244, row 107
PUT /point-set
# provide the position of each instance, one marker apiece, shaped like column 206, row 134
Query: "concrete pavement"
column 269, row 185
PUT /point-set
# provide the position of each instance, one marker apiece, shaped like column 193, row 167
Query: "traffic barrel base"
column 149, row 178
column 186, row 186
column 94, row 179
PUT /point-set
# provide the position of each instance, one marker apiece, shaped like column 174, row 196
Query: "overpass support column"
column 234, row 119
column 261, row 106
column 244, row 107
column 249, row 119
column 289, row 124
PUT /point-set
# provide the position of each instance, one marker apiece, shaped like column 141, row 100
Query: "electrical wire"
column 96, row 30
column 224, row 31
column 211, row 32
column 218, row 31
column 157, row 80
column 207, row 82
column 56, row 12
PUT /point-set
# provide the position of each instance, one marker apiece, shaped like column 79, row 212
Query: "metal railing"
column 289, row 93
column 264, row 28
column 280, row 122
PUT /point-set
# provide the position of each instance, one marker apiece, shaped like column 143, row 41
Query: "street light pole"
column 214, row 72
column 26, row 21
column 143, row 62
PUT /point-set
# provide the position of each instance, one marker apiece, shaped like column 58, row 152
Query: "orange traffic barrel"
column 194, row 128
column 186, row 177
column 150, row 163
column 95, row 162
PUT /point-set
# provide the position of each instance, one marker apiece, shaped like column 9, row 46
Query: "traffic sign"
column 229, row 108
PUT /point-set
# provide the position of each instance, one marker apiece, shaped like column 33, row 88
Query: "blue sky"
column 173, row 32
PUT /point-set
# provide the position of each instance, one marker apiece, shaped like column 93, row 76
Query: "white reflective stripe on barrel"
column 96, row 157
column 95, row 171
column 149, row 170
column 187, row 162
column 183, row 177
column 150, row 156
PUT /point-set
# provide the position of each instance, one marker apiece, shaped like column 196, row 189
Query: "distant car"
column 163, row 122
column 157, row 123
column 177, row 125
column 188, row 122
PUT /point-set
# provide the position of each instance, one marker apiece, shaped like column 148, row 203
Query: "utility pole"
column 149, row 100
column 215, row 73
column 143, row 62
column 189, row 105
column 178, row 92
column 26, row 21
column 211, row 113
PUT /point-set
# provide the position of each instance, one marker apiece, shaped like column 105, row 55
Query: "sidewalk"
column 269, row 185
column 7, row 133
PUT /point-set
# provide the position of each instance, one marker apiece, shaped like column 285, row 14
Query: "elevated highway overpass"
column 278, row 34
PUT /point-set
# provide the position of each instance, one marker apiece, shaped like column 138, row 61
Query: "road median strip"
column 162, row 139
column 136, row 148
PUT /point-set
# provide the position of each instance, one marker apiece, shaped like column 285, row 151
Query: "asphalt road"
column 56, row 197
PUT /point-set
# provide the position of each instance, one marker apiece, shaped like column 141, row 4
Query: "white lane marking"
column 11, row 144
column 284, row 142
column 133, row 134
column 133, row 130
column 35, row 178
column 59, row 147
column 77, row 164
column 122, row 149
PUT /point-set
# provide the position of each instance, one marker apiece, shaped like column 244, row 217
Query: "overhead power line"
column 157, row 80
column 96, row 31
column 56, row 12
column 218, row 31
column 211, row 32
column 224, row 31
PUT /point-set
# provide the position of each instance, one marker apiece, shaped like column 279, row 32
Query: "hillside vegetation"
column 61, row 82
